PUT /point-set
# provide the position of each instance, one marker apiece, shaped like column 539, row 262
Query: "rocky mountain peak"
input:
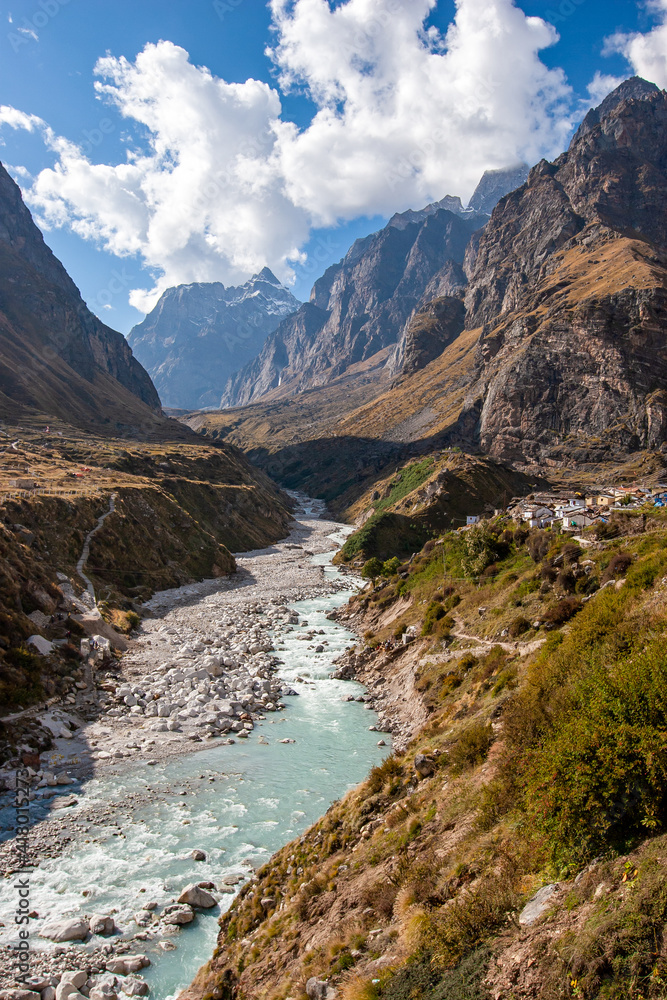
column 449, row 203
column 494, row 185
column 635, row 88
column 199, row 335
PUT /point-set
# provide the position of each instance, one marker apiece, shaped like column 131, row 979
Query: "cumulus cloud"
column 224, row 184
column 646, row 53
column 407, row 116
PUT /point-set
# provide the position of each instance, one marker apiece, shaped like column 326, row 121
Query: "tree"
column 372, row 569
column 390, row 568
column 479, row 546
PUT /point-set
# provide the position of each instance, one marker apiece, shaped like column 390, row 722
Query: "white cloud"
column 646, row 53
column 224, row 184
column 19, row 119
column 406, row 117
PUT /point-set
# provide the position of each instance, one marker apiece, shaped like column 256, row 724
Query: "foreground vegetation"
column 544, row 761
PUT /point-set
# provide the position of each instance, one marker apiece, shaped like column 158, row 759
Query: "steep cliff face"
column 57, row 357
column 569, row 288
column 198, row 335
column 359, row 307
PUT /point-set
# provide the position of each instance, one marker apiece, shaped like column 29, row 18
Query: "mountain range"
column 535, row 336
column 353, row 325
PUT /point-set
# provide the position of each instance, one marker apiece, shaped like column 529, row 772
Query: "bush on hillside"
column 472, row 746
column 372, row 569
column 558, row 614
column 618, row 567
column 539, row 543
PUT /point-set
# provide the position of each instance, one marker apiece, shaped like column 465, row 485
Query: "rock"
column 197, row 855
column 135, row 987
column 19, row 995
column 42, row 645
column 102, row 925
column 129, row 963
column 77, row 978
column 267, row 902
column 424, row 766
column 538, row 905
column 179, row 915
column 72, row 929
column 98, row 994
column 49, row 993
column 381, row 743
column 317, row 989
column 67, row 991
column 193, row 895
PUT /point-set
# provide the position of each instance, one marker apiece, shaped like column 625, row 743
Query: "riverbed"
column 235, row 803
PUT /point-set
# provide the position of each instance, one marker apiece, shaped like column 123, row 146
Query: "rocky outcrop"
column 429, row 331
column 56, row 357
column 359, row 307
column 198, row 335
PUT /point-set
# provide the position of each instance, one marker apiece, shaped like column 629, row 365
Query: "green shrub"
column 518, row 627
column 472, row 746
column 562, row 611
column 390, row 567
column 434, row 613
column 599, row 779
column 643, row 574
column 372, row 569
column 481, row 548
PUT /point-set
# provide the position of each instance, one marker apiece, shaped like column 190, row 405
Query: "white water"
column 262, row 797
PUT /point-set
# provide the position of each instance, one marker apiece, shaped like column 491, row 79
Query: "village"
column 568, row 510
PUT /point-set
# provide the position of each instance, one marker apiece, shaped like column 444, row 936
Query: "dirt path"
column 85, row 552
column 522, row 648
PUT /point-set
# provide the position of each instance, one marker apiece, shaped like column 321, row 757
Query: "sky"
column 200, row 140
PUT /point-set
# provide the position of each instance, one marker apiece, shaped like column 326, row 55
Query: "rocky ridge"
column 358, row 308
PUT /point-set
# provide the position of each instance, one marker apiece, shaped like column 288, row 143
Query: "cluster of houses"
column 578, row 510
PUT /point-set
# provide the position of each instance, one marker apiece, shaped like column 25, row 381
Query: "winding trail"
column 522, row 648
column 85, row 552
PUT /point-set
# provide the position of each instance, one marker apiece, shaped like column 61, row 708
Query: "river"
column 237, row 803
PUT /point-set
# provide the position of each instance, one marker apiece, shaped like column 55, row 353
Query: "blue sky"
column 48, row 55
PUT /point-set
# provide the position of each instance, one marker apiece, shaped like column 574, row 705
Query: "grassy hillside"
column 540, row 662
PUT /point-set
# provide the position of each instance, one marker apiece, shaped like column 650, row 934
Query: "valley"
column 332, row 640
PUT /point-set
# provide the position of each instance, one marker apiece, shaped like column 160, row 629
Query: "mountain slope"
column 570, row 288
column 198, row 335
column 358, row 308
column 56, row 357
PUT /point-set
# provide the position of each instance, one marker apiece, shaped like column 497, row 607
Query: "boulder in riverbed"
column 102, row 925
column 178, row 915
column 69, row 929
column 77, row 977
column 135, row 987
column 67, row 991
column 193, row 895
column 129, row 963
